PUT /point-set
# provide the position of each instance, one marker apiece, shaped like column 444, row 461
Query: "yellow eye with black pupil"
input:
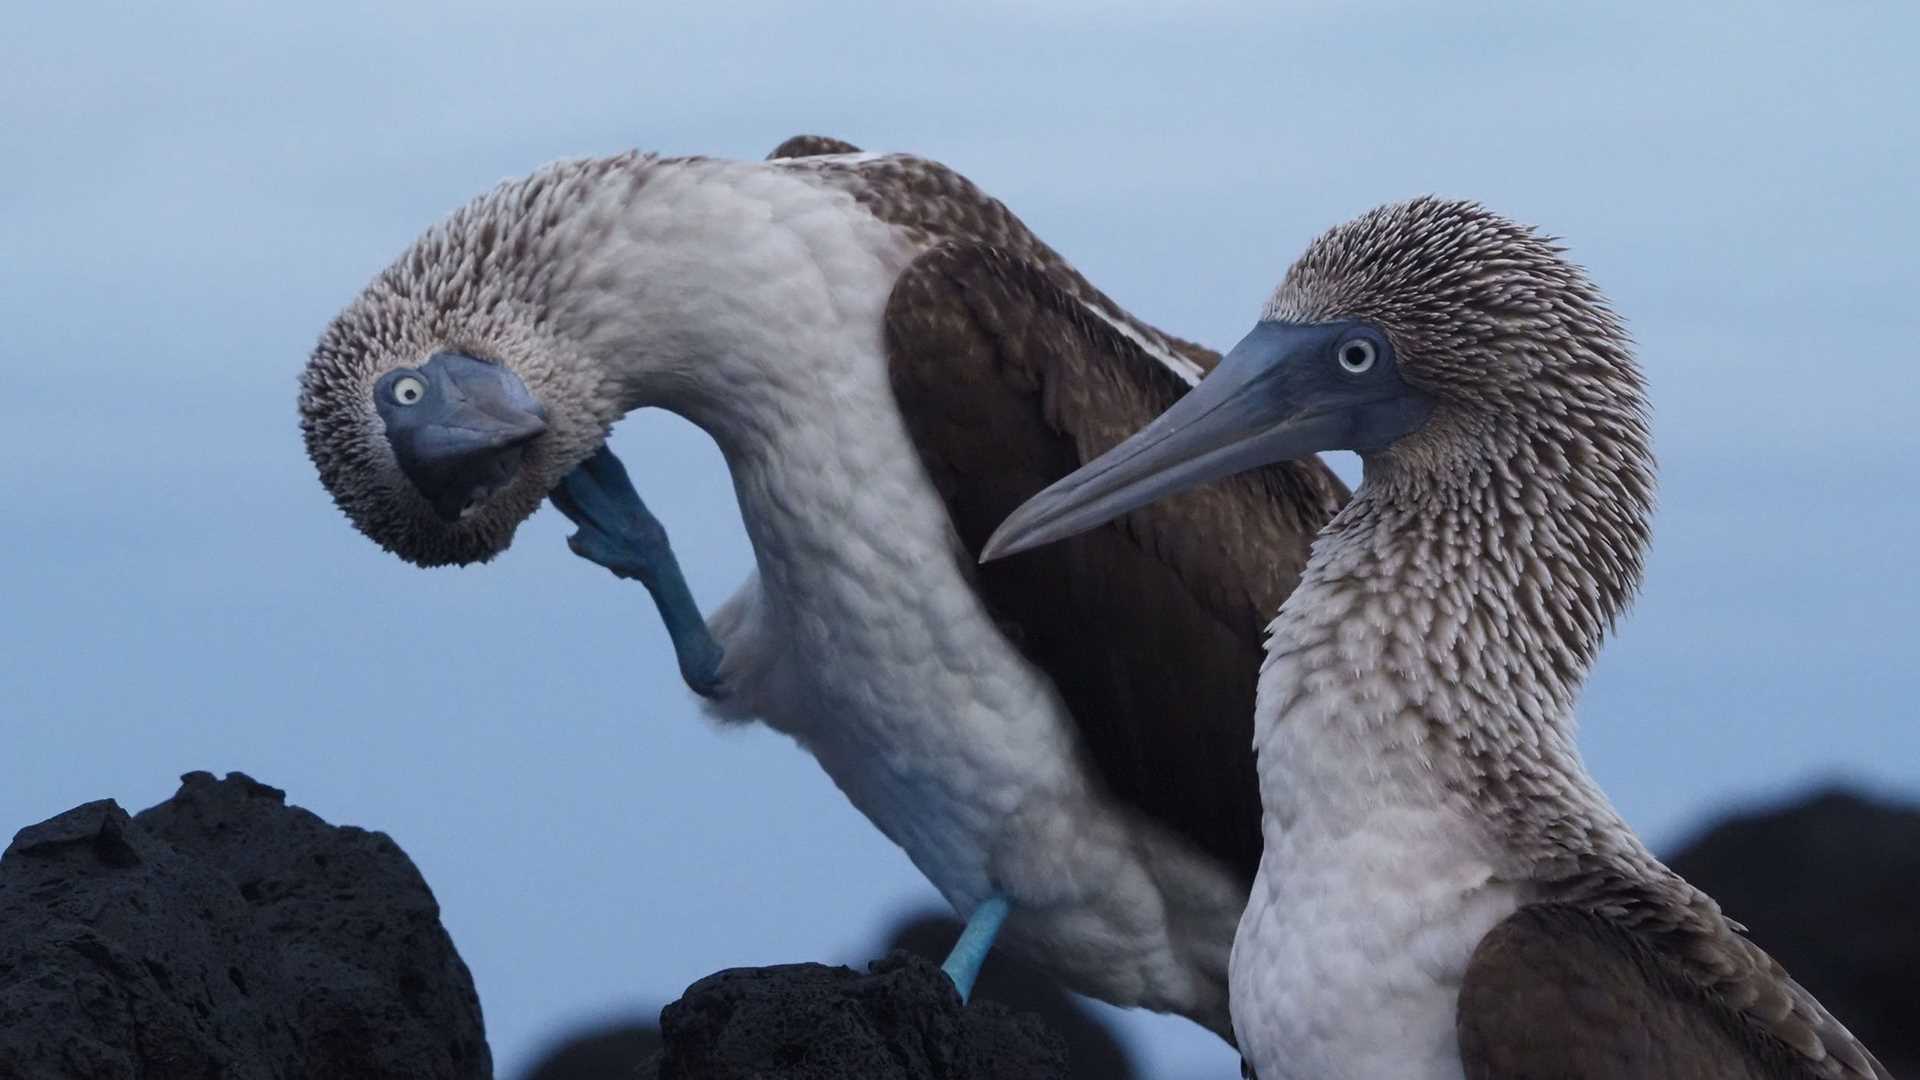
column 407, row 390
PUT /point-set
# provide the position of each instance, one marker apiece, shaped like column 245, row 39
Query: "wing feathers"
column 1151, row 627
column 1558, row 990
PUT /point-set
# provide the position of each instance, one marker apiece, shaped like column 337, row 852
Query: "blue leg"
column 618, row 532
column 963, row 963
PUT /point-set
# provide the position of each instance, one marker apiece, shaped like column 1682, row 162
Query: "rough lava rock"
column 902, row 1021
column 225, row 934
column 618, row 1049
column 1094, row 1051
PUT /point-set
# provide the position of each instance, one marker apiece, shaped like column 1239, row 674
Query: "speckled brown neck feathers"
column 1454, row 609
column 481, row 282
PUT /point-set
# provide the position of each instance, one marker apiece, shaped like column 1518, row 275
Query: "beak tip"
column 1003, row 544
column 1006, row 540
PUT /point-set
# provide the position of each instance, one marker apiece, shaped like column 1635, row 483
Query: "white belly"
column 1374, row 884
column 1349, row 957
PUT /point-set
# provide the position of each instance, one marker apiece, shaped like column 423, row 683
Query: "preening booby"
column 890, row 362
column 1444, row 890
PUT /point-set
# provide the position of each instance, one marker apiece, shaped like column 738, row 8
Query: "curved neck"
column 727, row 292
column 750, row 300
column 1441, row 632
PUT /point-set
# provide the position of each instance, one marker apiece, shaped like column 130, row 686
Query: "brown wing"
column 1562, row 991
column 1152, row 626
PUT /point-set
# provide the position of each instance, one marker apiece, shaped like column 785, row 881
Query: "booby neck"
column 773, row 348
column 718, row 290
column 1453, row 609
column 1415, row 740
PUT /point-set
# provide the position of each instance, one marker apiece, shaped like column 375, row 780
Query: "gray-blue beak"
column 1286, row 391
column 459, row 428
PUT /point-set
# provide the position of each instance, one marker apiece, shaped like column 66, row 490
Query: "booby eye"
column 1357, row 356
column 407, row 390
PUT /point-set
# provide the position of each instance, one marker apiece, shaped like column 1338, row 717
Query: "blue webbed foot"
column 617, row 531
column 970, row 952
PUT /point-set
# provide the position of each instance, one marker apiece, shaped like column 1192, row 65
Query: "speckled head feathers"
column 1484, row 312
column 1539, row 395
column 479, row 284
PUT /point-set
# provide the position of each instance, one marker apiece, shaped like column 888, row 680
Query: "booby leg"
column 620, row 533
column 963, row 963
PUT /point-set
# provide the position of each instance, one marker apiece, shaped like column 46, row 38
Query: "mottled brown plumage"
column 1536, row 374
column 483, row 281
column 1535, row 480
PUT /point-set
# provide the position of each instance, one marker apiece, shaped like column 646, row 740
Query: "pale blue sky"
column 189, row 193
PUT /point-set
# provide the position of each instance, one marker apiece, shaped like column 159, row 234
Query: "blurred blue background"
column 189, row 193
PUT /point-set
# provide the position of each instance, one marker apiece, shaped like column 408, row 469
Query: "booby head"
column 1422, row 335
column 438, row 407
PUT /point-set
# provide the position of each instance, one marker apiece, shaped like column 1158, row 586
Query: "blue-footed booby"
column 890, row 362
column 1444, row 891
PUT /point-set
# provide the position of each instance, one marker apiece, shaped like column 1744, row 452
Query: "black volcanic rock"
column 1094, row 1052
column 1828, row 886
column 225, row 934
column 902, row 1021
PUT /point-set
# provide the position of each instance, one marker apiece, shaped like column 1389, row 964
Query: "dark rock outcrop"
column 1093, row 1050
column 1828, row 885
column 225, row 934
column 902, row 1021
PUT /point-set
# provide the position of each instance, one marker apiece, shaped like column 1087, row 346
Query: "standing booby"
column 1444, row 890
column 890, row 362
